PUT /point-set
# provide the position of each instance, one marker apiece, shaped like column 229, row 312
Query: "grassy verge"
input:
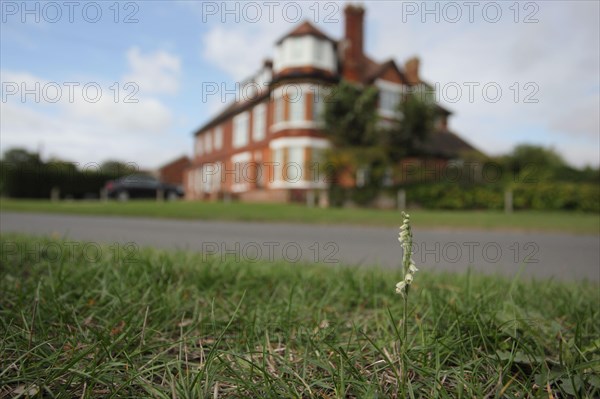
column 87, row 321
column 580, row 223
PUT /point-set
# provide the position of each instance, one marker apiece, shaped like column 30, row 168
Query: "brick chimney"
column 353, row 50
column 411, row 69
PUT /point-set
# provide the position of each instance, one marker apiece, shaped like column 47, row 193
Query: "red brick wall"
column 173, row 172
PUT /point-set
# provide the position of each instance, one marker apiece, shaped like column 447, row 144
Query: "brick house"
column 173, row 172
column 266, row 144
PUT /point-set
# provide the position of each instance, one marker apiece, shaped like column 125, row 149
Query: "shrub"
column 546, row 196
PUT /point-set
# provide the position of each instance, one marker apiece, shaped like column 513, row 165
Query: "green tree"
column 531, row 163
column 409, row 131
column 118, row 168
column 367, row 147
column 351, row 116
column 19, row 157
column 351, row 123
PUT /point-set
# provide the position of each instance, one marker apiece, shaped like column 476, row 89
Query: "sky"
column 131, row 81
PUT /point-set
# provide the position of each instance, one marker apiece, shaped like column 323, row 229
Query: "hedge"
column 546, row 196
column 38, row 182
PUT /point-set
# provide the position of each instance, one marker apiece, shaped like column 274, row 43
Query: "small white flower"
column 408, row 278
column 412, row 268
column 400, row 287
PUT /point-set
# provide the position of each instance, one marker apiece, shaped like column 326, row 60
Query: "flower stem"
column 405, row 322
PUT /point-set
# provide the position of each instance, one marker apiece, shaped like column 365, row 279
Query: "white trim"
column 241, row 157
column 285, row 142
column 276, row 127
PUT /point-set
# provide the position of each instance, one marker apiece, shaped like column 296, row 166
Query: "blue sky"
column 547, row 52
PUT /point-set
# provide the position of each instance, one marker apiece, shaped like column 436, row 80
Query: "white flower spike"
column 408, row 264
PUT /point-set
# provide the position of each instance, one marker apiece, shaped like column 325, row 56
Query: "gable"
column 391, row 74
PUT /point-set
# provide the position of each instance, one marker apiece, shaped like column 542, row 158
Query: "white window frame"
column 295, row 156
column 241, row 130
column 389, row 100
column 392, row 88
column 318, row 106
column 279, row 110
column 239, row 162
column 298, row 109
column 278, row 160
column 259, row 122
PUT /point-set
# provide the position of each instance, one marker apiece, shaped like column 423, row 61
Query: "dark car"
column 141, row 186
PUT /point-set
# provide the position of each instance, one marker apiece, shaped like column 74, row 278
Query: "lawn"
column 571, row 222
column 80, row 320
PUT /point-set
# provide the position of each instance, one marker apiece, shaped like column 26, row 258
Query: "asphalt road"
column 540, row 255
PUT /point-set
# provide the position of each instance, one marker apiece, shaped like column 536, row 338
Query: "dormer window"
column 389, row 100
column 390, row 94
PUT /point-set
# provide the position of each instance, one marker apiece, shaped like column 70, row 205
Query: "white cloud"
column 89, row 131
column 102, row 104
column 157, row 72
column 83, row 141
column 238, row 50
column 579, row 117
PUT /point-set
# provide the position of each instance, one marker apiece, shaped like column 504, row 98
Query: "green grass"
column 579, row 223
column 74, row 323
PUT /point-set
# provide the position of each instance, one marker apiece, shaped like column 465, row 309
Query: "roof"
column 232, row 109
column 447, row 145
column 306, row 28
column 374, row 69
